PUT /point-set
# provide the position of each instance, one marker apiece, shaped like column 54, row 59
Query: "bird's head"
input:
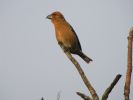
column 56, row 16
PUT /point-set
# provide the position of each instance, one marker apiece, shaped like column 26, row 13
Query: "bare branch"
column 81, row 72
column 58, row 95
column 129, row 66
column 83, row 96
column 109, row 89
column 42, row 98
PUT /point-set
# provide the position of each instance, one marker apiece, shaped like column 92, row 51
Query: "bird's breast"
column 66, row 37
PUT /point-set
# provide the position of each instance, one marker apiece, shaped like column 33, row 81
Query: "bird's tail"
column 84, row 57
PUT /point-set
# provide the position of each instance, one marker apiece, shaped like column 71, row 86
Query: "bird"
column 66, row 35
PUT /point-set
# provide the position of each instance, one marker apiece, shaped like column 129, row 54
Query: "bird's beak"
column 49, row 17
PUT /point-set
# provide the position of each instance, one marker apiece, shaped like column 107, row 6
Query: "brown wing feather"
column 76, row 37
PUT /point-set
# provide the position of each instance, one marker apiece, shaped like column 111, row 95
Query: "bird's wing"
column 76, row 36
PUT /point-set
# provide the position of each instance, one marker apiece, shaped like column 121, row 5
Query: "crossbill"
column 66, row 35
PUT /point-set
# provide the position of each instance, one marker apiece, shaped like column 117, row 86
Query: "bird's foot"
column 63, row 47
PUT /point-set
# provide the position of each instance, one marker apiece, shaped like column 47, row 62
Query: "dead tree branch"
column 81, row 72
column 58, row 95
column 129, row 66
column 83, row 96
column 42, row 98
column 109, row 89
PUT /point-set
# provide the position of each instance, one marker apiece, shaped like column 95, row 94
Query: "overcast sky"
column 32, row 64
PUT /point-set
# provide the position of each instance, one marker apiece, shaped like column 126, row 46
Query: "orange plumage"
column 66, row 35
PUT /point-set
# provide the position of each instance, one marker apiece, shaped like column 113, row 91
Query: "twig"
column 129, row 66
column 58, row 95
column 42, row 98
column 109, row 89
column 81, row 72
column 83, row 96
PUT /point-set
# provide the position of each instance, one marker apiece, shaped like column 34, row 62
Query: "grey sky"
column 32, row 64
